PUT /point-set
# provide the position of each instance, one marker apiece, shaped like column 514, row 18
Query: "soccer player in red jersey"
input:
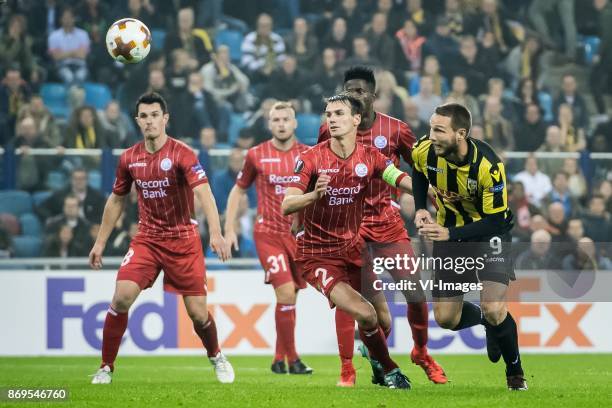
column 270, row 165
column 383, row 224
column 330, row 189
column 167, row 175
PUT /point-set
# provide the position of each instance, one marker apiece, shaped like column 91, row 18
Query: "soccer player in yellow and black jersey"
column 473, row 221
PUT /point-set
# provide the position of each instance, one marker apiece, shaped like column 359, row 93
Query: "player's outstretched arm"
column 231, row 213
column 112, row 212
column 296, row 200
column 217, row 243
column 397, row 178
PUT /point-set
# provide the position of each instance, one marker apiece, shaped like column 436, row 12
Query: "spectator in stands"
column 585, row 257
column 89, row 200
column 509, row 105
column 16, row 47
column 381, row 44
column 6, row 244
column 604, row 188
column 532, row 130
column 68, row 47
column 338, row 39
column 157, row 83
column 45, row 121
column 351, row 13
column 537, row 184
column 258, row 121
column 93, row 15
column 385, row 7
column 538, row 13
column 289, row 82
column 575, row 229
column 208, row 138
column 556, row 221
column 522, row 210
column 570, row 95
column 426, row 100
column 526, row 93
column 302, row 44
column 576, row 182
column 178, row 73
column 497, row 130
column 14, row 93
column 572, row 136
column 411, row 117
column 31, row 170
column 226, row 82
column 525, row 62
column 325, row 80
column 361, row 55
column 431, row 68
column 262, row 50
column 62, row 243
column 414, row 11
column 408, row 51
column 143, row 10
column 477, row 132
column 246, row 139
column 455, row 15
column 70, row 216
column 117, row 125
column 441, row 44
column 539, row 255
column 43, row 19
column 553, row 141
column 85, row 131
column 596, row 221
column 459, row 94
column 492, row 20
column 472, row 64
column 195, row 41
column 387, row 88
column 600, row 74
column 223, row 180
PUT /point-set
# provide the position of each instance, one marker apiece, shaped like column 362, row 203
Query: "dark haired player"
column 167, row 175
column 473, row 220
column 270, row 165
column 330, row 191
column 383, row 226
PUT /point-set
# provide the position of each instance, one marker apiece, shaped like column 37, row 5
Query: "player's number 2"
column 128, row 257
column 276, row 262
column 324, row 279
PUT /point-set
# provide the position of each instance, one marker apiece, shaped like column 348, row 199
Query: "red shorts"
column 276, row 252
column 323, row 273
column 182, row 261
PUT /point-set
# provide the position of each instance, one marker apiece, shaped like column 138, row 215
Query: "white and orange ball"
column 128, row 40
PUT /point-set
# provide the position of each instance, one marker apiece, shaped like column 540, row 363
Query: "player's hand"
column 231, row 239
column 219, row 247
column 421, row 218
column 95, row 256
column 321, row 185
column 434, row 232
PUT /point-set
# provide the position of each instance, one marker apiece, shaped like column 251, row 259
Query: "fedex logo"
column 177, row 329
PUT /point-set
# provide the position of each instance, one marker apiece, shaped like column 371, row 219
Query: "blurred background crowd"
column 534, row 73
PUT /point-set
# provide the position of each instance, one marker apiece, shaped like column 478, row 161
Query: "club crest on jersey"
column 472, row 185
column 166, row 164
column 380, row 141
column 361, row 170
column 299, row 165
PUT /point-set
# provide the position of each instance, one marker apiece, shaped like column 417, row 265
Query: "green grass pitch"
column 554, row 380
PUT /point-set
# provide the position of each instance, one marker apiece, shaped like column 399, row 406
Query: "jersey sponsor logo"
column 497, row 188
column 361, row 170
column 451, row 196
column 342, row 195
column 380, row 141
column 279, row 189
column 270, row 160
column 436, row 169
column 299, row 166
column 153, row 188
column 199, row 171
column 166, row 164
column 325, row 171
column 137, row 164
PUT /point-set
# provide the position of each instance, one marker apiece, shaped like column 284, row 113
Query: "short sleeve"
column 192, row 169
column 419, row 154
column 303, row 171
column 323, row 133
column 406, row 142
column 494, row 189
column 380, row 163
column 248, row 173
column 123, row 178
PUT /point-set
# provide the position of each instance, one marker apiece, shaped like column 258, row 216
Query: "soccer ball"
column 128, row 41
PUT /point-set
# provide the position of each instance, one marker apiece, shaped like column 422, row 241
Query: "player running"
column 330, row 189
column 382, row 226
column 270, row 165
column 473, row 220
column 167, row 175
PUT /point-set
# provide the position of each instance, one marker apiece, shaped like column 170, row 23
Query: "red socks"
column 114, row 327
column 345, row 333
column 284, row 317
column 208, row 334
column 418, row 319
column 377, row 345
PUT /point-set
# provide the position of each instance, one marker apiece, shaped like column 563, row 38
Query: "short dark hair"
column 360, row 72
column 461, row 118
column 348, row 99
column 150, row 98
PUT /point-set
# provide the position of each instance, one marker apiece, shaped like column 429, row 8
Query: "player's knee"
column 365, row 315
column 494, row 312
column 286, row 295
column 446, row 318
column 122, row 302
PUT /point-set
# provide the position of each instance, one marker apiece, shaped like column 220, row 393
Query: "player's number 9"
column 496, row 245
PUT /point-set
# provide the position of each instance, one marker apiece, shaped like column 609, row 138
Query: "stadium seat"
column 158, row 37
column 10, row 223
column 26, row 246
column 591, row 47
column 55, row 97
column 237, row 122
column 308, row 128
column 97, row 95
column 40, row 196
column 30, row 225
column 233, row 39
column 95, row 179
column 546, row 103
column 15, row 202
column 56, row 180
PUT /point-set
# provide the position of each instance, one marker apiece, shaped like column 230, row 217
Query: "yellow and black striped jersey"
column 468, row 191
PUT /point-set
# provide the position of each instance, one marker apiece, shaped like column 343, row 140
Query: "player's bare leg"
column 286, row 298
column 502, row 333
column 350, row 301
column 205, row 327
column 115, row 325
column 383, row 315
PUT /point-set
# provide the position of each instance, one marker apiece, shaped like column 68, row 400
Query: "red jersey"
column 331, row 224
column 164, row 182
column 272, row 171
column 393, row 138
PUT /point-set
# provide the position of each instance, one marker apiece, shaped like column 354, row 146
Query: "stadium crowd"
column 532, row 72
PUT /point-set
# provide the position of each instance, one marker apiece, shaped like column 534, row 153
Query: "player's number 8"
column 496, row 245
column 128, row 257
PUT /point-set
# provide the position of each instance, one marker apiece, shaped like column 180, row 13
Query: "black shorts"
column 471, row 262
